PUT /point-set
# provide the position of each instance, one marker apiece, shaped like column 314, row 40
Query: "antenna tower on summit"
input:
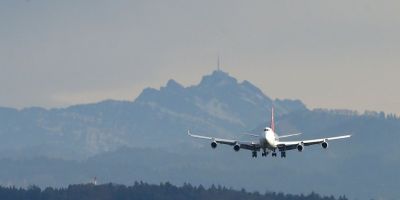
column 94, row 181
column 218, row 64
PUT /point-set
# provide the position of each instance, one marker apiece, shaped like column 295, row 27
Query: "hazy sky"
column 330, row 54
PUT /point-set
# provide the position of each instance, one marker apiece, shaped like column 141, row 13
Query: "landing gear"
column 283, row 154
column 273, row 153
column 264, row 153
column 254, row 154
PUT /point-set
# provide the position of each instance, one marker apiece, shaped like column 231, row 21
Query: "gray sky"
column 330, row 54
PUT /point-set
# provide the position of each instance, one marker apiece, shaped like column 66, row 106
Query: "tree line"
column 144, row 191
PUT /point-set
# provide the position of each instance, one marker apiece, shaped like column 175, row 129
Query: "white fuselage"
column 268, row 139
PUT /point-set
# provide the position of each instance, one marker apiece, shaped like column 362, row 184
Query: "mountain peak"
column 172, row 84
column 218, row 78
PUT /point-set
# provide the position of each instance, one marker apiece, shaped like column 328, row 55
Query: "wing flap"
column 250, row 146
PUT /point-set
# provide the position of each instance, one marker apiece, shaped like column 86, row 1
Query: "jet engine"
column 300, row 147
column 324, row 145
column 213, row 144
column 236, row 147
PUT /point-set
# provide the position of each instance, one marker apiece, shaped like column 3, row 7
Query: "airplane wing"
column 249, row 145
column 289, row 145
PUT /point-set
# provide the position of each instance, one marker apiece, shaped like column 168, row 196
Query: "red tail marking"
column 272, row 120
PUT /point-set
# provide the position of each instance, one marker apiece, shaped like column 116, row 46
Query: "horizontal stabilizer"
column 285, row 136
column 253, row 135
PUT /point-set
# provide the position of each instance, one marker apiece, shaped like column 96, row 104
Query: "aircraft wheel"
column 254, row 155
column 273, row 154
column 283, row 154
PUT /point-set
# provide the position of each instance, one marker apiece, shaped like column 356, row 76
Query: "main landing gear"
column 283, row 154
column 264, row 153
column 273, row 153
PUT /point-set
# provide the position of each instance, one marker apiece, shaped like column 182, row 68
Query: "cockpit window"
column 266, row 129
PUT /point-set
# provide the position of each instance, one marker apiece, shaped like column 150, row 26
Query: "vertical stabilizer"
column 272, row 120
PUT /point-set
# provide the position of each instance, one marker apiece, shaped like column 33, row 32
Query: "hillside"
column 217, row 104
column 145, row 139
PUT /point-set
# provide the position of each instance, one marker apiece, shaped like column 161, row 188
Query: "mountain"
column 145, row 139
column 217, row 104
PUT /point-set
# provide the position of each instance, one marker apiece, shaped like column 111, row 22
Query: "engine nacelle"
column 300, row 147
column 236, row 147
column 213, row 144
column 324, row 145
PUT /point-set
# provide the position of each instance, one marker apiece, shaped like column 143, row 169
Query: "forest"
column 144, row 191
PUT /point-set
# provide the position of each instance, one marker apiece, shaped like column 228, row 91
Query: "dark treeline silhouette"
column 144, row 191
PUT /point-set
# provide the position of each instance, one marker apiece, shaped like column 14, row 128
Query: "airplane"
column 269, row 141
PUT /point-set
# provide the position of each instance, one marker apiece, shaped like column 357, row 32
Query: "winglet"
column 188, row 132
